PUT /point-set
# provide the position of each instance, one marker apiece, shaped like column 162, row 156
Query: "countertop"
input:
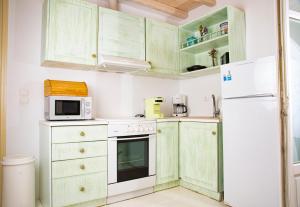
column 204, row 119
column 74, row 123
column 104, row 121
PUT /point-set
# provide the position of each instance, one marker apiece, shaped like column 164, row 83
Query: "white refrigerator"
column 251, row 133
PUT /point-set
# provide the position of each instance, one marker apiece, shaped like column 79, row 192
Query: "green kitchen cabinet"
column 167, row 154
column 69, row 33
column 162, row 47
column 225, row 32
column 121, row 34
column 200, row 162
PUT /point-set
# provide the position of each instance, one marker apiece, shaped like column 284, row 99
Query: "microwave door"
column 65, row 109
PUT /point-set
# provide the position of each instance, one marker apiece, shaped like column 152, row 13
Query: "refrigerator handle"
column 254, row 96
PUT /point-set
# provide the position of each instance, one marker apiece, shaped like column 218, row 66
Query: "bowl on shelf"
column 195, row 67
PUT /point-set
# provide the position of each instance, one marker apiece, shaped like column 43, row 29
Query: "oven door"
column 130, row 158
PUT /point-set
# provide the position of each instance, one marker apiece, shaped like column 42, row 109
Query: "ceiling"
column 178, row 8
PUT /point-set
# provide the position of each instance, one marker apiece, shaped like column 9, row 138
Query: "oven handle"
column 120, row 139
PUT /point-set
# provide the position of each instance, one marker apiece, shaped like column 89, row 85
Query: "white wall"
column 261, row 40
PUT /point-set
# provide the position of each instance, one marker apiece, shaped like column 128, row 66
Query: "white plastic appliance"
column 251, row 134
column 179, row 106
column 121, row 64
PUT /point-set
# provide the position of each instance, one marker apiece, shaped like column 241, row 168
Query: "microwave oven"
column 68, row 108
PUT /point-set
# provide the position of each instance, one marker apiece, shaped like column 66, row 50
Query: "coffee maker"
column 179, row 106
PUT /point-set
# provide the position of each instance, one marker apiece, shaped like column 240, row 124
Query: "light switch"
column 23, row 96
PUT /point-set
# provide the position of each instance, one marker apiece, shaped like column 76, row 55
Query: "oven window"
column 133, row 159
column 67, row 107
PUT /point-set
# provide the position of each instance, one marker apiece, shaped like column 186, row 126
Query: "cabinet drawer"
column 78, row 167
column 78, row 150
column 78, row 189
column 79, row 133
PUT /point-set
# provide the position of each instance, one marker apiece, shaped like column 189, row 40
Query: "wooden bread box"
column 65, row 88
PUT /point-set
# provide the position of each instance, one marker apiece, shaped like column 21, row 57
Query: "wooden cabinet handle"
column 82, row 133
column 82, row 189
column 214, row 133
column 94, row 55
column 82, row 167
column 82, row 150
column 159, row 131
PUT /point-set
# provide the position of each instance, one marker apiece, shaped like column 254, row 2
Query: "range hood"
column 121, row 64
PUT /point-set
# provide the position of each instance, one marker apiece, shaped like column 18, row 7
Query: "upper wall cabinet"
column 222, row 30
column 121, row 35
column 70, row 32
column 162, row 49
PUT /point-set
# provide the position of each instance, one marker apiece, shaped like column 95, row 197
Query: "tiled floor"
column 175, row 197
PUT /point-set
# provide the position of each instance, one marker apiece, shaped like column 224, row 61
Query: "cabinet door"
column 121, row 34
column 162, row 47
column 167, row 152
column 72, row 32
column 199, row 154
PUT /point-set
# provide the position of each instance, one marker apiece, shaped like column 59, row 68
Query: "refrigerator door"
column 251, row 141
column 250, row 78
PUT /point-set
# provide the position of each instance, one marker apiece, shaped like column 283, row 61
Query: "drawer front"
column 79, row 133
column 78, row 150
column 78, row 189
column 78, row 167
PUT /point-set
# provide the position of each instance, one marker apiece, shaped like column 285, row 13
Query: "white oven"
column 131, row 156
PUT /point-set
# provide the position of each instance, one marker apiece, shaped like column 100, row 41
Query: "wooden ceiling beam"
column 163, row 7
column 206, row 2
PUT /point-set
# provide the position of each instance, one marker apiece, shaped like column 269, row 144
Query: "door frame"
column 3, row 65
column 289, row 168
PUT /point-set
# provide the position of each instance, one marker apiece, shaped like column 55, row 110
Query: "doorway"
column 290, row 31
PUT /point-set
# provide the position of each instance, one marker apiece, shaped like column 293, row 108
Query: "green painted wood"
column 237, row 34
column 70, row 32
column 165, row 186
column 78, row 150
column 67, row 168
column 199, row 158
column 233, row 42
column 167, row 152
column 78, row 133
column 121, row 34
column 78, row 189
column 209, row 193
column 162, row 47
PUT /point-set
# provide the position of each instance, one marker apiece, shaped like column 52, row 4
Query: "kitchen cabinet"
column 200, row 162
column 162, row 47
column 167, row 154
column 69, row 33
column 73, row 167
column 225, row 32
column 121, row 34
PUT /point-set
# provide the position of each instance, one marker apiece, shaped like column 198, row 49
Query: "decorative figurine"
column 213, row 54
column 203, row 31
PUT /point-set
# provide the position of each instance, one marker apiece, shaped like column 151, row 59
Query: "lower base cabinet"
column 73, row 169
column 167, row 155
column 189, row 154
column 200, row 164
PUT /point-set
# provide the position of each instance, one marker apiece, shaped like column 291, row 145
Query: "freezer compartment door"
column 251, row 141
column 249, row 78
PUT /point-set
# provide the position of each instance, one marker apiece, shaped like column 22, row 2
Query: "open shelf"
column 202, row 72
column 216, row 42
